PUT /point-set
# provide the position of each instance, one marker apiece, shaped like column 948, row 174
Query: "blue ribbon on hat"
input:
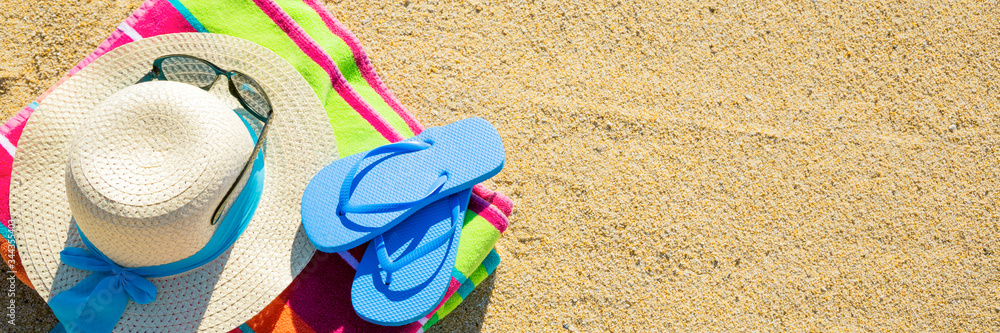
column 98, row 302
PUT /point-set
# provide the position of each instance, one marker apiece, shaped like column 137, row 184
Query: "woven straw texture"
column 271, row 252
column 151, row 168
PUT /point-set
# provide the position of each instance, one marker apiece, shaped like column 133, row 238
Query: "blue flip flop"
column 406, row 271
column 358, row 197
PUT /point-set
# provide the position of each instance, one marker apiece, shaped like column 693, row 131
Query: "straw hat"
column 141, row 168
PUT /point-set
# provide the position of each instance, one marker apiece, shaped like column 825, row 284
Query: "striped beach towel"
column 364, row 114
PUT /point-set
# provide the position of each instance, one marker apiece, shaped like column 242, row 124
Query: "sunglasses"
column 203, row 74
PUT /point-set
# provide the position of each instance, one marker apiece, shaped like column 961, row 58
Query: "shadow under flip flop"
column 469, row 316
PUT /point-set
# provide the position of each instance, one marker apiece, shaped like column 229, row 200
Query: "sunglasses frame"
column 157, row 73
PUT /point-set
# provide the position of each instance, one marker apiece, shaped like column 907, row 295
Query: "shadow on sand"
column 469, row 315
column 31, row 314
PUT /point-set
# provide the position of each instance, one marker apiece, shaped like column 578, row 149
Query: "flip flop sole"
column 413, row 291
column 468, row 151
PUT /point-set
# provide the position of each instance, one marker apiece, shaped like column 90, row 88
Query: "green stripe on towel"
column 352, row 132
column 313, row 25
column 488, row 266
column 478, row 237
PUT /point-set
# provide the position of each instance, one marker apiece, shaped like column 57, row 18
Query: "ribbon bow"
column 96, row 303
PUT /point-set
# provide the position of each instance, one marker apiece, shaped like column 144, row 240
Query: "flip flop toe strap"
column 390, row 265
column 351, row 181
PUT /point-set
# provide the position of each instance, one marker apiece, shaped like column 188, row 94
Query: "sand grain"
column 690, row 165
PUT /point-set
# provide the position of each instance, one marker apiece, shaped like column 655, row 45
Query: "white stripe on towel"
column 349, row 259
column 127, row 29
column 9, row 147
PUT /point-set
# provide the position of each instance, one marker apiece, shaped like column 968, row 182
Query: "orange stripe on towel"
column 276, row 317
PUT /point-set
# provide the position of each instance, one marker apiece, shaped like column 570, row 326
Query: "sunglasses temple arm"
column 243, row 174
column 148, row 77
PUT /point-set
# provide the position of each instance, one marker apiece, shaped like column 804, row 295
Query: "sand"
column 688, row 166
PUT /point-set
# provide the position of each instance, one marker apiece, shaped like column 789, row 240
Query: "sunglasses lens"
column 252, row 94
column 188, row 70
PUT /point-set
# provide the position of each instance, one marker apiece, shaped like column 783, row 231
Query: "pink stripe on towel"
column 367, row 70
column 489, row 212
column 498, row 199
column 325, row 275
column 12, row 132
column 309, row 46
column 168, row 19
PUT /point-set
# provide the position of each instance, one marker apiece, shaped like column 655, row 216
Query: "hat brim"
column 230, row 290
